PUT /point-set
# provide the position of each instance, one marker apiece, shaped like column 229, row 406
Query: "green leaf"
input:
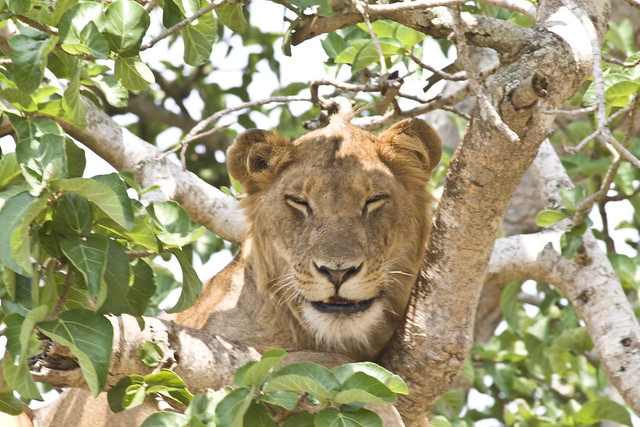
column 9, row 404
column 118, row 394
column 440, row 421
column 72, row 24
column 392, row 381
column 323, row 6
column 19, row 7
column 362, row 52
column 165, row 380
column 232, row 16
column 124, row 25
column 89, row 336
column 332, row 417
column 333, row 44
column 143, row 288
column 257, row 372
column 569, row 244
column 165, row 419
column 187, row 7
column 408, row 36
column 363, row 388
column 257, row 416
column 72, row 215
column 191, row 284
column 621, row 35
column 133, row 73
column 202, row 406
column 19, row 332
column 624, row 267
column 105, row 192
column 29, row 57
column 603, row 409
column 76, row 160
column 548, row 217
column 40, row 150
column 9, row 169
column 510, row 306
column 150, row 353
column 199, row 40
column 304, row 419
column 284, row 399
column 114, row 92
column 304, row 377
column 174, row 224
column 230, row 411
column 72, row 104
column 90, row 258
column 16, row 217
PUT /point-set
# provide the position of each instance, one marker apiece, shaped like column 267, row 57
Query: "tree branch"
column 207, row 205
column 430, row 351
column 594, row 289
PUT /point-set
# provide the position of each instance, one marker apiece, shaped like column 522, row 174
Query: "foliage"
column 267, row 394
column 81, row 247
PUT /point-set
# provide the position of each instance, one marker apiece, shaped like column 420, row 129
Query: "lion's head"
column 339, row 220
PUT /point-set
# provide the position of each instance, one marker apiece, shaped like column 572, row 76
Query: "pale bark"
column 207, row 205
column 201, row 359
column 430, row 351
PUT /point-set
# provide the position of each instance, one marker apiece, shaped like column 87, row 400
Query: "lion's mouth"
column 337, row 304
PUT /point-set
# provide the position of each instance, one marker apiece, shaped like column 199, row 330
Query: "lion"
column 339, row 220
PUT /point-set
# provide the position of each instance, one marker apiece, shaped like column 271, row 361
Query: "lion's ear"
column 255, row 157
column 412, row 138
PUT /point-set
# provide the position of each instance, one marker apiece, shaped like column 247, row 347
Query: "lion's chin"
column 339, row 305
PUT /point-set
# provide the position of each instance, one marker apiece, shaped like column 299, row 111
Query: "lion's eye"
column 374, row 202
column 298, row 204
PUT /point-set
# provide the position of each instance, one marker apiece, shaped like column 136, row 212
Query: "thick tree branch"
column 507, row 38
column 202, row 360
column 126, row 152
column 438, row 334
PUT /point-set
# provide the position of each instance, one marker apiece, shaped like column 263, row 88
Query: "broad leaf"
column 71, row 102
column 175, row 227
column 191, row 284
column 304, row 377
column 29, row 57
column 389, row 379
column 124, row 25
column 150, row 353
column 105, row 195
column 89, row 336
column 230, row 411
column 603, row 409
column 165, row 419
column 40, row 150
column 332, row 417
column 232, row 16
column 72, row 215
column 199, row 40
column 258, row 371
column 16, row 216
column 133, row 73
column 364, row 388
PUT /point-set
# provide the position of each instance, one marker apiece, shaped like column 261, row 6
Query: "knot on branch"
column 528, row 92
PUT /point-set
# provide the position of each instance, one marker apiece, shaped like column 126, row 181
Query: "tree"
column 528, row 73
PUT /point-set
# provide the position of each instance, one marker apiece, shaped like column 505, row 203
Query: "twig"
column 598, row 80
column 524, row 7
column 486, row 109
column 365, row 16
column 63, row 298
column 619, row 62
column 180, row 25
column 597, row 132
column 287, row 5
column 575, row 112
column 198, row 131
column 141, row 254
column 457, row 112
column 598, row 196
column 461, row 75
column 44, row 28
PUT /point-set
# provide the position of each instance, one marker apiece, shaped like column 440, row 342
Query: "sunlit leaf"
column 89, row 336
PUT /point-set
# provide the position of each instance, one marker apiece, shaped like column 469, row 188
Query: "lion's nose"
column 337, row 277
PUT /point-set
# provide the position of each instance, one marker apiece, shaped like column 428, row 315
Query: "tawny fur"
column 367, row 205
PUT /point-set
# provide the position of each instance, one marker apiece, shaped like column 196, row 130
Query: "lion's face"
column 339, row 223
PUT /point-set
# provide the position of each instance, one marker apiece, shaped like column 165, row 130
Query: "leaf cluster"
column 76, row 249
column 267, row 394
